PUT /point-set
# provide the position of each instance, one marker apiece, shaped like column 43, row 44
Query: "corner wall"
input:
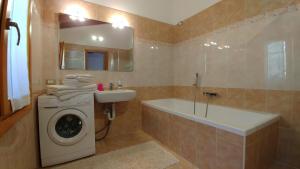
column 259, row 72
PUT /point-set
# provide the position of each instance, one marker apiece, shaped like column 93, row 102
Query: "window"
column 17, row 57
column 14, row 62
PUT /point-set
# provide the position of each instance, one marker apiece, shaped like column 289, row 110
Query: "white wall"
column 168, row 11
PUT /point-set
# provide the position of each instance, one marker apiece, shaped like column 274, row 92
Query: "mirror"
column 94, row 45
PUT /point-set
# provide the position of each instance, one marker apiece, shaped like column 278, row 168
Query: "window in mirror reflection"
column 96, row 60
column 277, row 60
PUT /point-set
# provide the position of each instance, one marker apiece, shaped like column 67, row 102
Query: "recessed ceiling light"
column 94, row 37
column 101, row 38
column 213, row 43
column 206, row 44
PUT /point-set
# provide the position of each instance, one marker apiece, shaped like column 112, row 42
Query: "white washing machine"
column 66, row 128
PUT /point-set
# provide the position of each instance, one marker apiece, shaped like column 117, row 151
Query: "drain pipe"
column 110, row 111
column 111, row 114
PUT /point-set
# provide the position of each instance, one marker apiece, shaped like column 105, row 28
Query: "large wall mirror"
column 94, row 45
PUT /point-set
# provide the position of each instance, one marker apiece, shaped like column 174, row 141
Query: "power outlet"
column 50, row 82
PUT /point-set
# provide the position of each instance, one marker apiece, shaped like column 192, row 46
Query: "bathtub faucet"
column 209, row 95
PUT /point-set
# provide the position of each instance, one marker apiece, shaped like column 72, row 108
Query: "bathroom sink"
column 112, row 96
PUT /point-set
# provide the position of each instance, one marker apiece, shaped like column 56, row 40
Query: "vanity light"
column 214, row 43
column 73, row 18
column 226, row 46
column 119, row 22
column 101, row 38
column 207, row 44
column 81, row 19
column 76, row 13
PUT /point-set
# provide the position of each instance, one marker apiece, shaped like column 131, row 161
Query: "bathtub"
column 241, row 122
column 228, row 138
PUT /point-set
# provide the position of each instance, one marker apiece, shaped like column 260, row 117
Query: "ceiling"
column 168, row 11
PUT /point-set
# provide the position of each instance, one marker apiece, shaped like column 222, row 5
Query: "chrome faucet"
column 209, row 95
column 111, row 86
column 119, row 84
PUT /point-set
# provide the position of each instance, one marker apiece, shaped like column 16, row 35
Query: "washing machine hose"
column 106, row 128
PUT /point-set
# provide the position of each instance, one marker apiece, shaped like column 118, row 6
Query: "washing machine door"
column 67, row 127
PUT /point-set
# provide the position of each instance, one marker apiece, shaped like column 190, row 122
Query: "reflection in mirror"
column 94, row 45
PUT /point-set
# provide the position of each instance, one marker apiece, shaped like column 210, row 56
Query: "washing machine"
column 66, row 128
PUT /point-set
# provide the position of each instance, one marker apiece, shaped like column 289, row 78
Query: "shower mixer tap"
column 197, row 80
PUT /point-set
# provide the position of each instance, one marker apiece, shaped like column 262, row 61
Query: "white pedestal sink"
column 113, row 96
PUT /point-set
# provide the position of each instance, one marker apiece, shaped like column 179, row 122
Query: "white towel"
column 63, row 92
column 74, row 76
column 71, row 95
column 72, row 88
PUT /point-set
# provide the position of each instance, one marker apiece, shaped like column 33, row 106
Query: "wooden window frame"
column 8, row 120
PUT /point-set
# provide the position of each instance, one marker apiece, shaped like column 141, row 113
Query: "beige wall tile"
column 281, row 102
column 255, row 100
column 207, row 147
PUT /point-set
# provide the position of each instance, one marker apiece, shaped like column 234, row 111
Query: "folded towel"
column 74, row 76
column 65, row 87
column 76, row 84
column 66, row 92
column 71, row 95
column 63, row 92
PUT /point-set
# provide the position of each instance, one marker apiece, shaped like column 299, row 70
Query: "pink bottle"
column 100, row 87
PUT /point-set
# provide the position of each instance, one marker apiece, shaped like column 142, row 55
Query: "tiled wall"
column 152, row 75
column 261, row 149
column 19, row 146
column 260, row 71
column 242, row 67
column 151, row 66
column 211, row 148
column 224, row 13
column 129, row 117
column 263, row 54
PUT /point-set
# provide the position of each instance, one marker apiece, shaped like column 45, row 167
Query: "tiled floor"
column 139, row 137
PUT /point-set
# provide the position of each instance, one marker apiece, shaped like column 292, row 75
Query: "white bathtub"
column 241, row 122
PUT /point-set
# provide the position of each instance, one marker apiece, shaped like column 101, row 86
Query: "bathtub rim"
column 238, row 131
